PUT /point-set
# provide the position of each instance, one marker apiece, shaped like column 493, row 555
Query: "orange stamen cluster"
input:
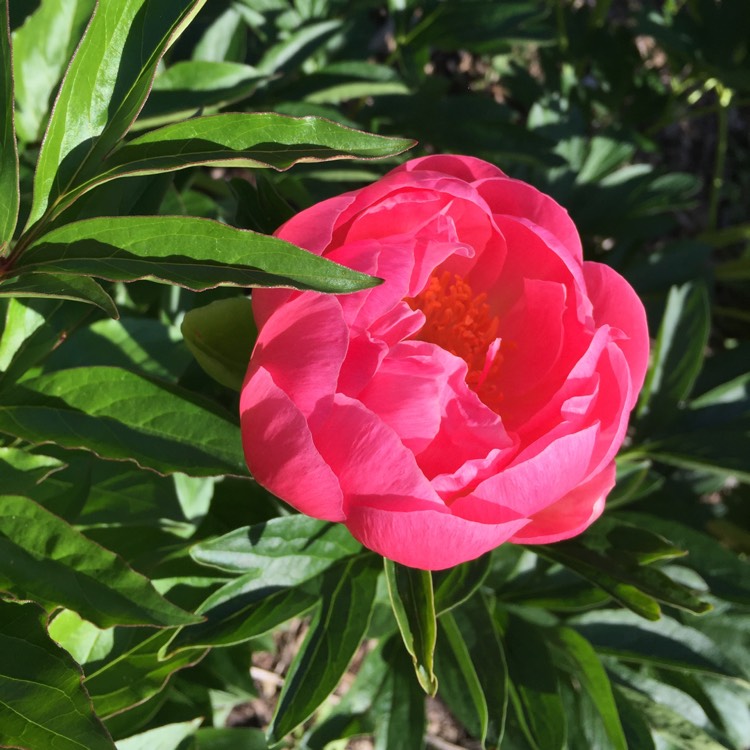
column 462, row 324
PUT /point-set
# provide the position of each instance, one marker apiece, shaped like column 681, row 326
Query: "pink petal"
column 367, row 456
column 425, row 538
column 309, row 379
column 467, row 168
column 616, row 304
column 280, row 452
column 571, row 514
column 519, row 199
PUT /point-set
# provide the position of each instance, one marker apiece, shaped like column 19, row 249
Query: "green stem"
column 722, row 137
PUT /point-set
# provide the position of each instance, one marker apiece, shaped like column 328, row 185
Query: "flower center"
column 462, row 324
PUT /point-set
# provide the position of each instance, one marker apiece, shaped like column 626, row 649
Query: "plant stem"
column 724, row 99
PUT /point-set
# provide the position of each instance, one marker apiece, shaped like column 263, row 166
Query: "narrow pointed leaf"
column 121, row 415
column 400, row 706
column 9, row 189
column 482, row 639
column 135, row 674
column 195, row 253
column 42, row 49
column 576, row 654
column 60, row 286
column 237, row 139
column 535, row 689
column 334, row 635
column 108, row 80
column 45, row 559
column 413, row 605
column 457, row 584
column 459, row 684
column 42, row 701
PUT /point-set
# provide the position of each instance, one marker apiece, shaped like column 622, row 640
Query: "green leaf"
column 278, row 560
column 22, row 471
column 678, row 354
column 665, row 643
column 334, row 636
column 81, row 639
column 727, row 576
column 8, row 148
column 459, row 684
column 576, row 655
column 282, row 551
column 135, row 673
column 42, row 48
column 299, row 45
column 534, row 685
column 413, row 603
column 634, row 724
column 676, row 729
column 188, row 86
column 195, row 253
column 104, row 89
column 399, row 708
column 167, row 737
column 221, row 336
column 482, row 639
column 261, row 139
column 227, row 739
column 457, row 584
column 45, row 559
column 616, row 557
column 59, row 286
column 42, row 701
column 121, row 415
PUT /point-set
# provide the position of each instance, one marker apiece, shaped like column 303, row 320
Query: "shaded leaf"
column 45, row 559
column 534, row 686
column 195, row 253
column 459, row 683
column 42, row 701
column 413, row 603
column 136, row 673
column 8, row 148
column 334, row 635
column 59, row 286
column 42, row 48
column 575, row 654
column 121, row 415
column 457, row 584
column 108, row 80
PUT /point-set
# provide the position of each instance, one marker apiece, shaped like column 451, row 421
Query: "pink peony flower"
column 478, row 396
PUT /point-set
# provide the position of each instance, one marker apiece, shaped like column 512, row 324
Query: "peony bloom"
column 478, row 396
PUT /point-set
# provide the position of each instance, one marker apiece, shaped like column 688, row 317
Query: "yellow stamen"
column 462, row 324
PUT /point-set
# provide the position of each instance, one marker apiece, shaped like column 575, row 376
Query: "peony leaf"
column 335, row 634
column 665, row 643
column 42, row 701
column 457, row 584
column 281, row 562
column 534, row 687
column 259, row 139
column 576, row 655
column 59, row 286
column 135, row 673
column 9, row 189
column 124, row 416
column 194, row 253
column 45, row 559
column 482, row 639
column 399, row 708
column 459, row 683
column 413, row 604
column 42, row 48
column 616, row 557
column 678, row 353
column 103, row 90
column 221, row 336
